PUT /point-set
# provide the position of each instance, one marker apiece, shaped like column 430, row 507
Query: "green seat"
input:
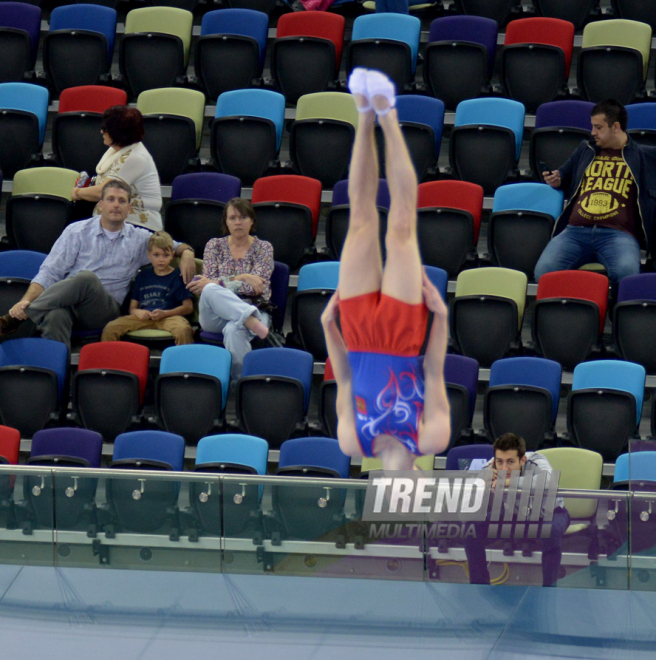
column 164, row 20
column 580, row 469
column 175, row 101
column 370, row 5
column 327, row 105
column 424, row 463
column 594, row 268
column 45, row 181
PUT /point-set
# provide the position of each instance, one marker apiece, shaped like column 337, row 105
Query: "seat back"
column 327, row 105
column 243, row 22
column 577, row 284
column 493, row 112
column 574, row 114
column 641, row 116
column 20, row 263
column 494, row 282
column 440, row 280
column 23, row 16
column 460, row 458
column 94, row 18
column 56, row 181
column 27, row 98
column 322, row 275
column 613, row 375
column 253, row 103
column 69, row 442
column 205, row 185
column 9, row 444
column 632, row 287
column 318, row 24
column 199, row 359
column 119, row 356
column 341, row 197
column 150, row 446
column 395, row 27
column 90, row 98
column 422, row 110
column 637, row 466
column 529, row 197
column 174, row 101
column 462, row 370
column 165, row 20
column 622, row 33
column 315, row 452
column 235, row 448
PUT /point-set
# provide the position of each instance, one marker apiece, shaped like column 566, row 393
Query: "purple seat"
column 573, row 114
column 206, row 185
column 341, row 198
column 637, row 287
column 459, row 458
column 462, row 370
column 21, row 16
column 68, row 442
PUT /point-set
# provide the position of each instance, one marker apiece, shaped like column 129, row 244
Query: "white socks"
column 369, row 83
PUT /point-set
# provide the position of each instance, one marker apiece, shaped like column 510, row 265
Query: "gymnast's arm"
column 338, row 354
column 435, row 425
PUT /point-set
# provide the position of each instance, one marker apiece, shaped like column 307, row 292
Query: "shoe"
column 273, row 340
column 357, row 84
column 378, row 84
column 8, row 325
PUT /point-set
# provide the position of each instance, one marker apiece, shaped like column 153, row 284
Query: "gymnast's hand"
column 432, row 297
column 331, row 310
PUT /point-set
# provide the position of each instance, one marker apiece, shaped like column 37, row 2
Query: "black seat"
column 194, row 222
column 636, row 10
column 574, row 11
column 328, row 407
column 35, row 222
column 497, row 10
column 307, row 309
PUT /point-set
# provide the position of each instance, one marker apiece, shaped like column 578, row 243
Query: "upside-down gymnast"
column 391, row 402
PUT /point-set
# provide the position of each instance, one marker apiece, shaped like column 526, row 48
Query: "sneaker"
column 273, row 340
column 8, row 325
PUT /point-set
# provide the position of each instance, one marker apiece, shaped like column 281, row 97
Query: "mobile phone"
column 543, row 168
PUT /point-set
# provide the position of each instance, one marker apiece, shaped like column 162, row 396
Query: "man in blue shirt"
column 87, row 274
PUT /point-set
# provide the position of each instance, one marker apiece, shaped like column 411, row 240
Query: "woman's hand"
column 74, row 196
column 254, row 281
column 432, row 297
column 187, row 266
column 331, row 310
column 196, row 286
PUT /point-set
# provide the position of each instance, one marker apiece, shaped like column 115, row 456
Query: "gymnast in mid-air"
column 391, row 401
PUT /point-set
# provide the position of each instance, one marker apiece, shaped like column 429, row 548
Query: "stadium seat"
column 191, row 389
column 67, row 501
column 536, row 59
column 32, row 377
column 460, row 458
column 322, row 135
column 634, row 320
column 155, row 47
column 20, row 30
column 79, row 46
column 23, row 116
column 614, row 59
column 636, row 10
column 387, row 42
column 635, row 471
column 605, row 406
column 521, row 224
column 307, row 52
column 263, row 6
column 560, row 126
column 287, row 211
column 193, row 215
column 522, row 398
column 39, row 208
column 642, row 123
column 496, row 10
column 421, row 119
column 574, row 11
column 339, row 212
column 328, row 402
column 154, row 510
column 9, row 448
column 246, row 132
column 305, row 512
column 113, row 372
column 487, row 313
column 486, row 141
column 274, row 392
column 461, row 379
column 173, row 125
column 233, row 510
column 569, row 315
column 316, row 284
column 230, row 51
column 448, row 223
column 459, row 57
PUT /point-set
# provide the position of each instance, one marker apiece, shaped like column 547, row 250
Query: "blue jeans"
column 616, row 250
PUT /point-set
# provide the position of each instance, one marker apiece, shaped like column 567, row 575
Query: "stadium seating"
column 497, row 10
column 460, row 458
column 20, row 25
column 9, row 448
column 328, row 402
column 461, row 378
column 635, row 471
column 264, row 6
column 636, row 10
column 642, row 123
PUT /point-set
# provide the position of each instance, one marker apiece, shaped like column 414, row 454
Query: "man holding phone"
column 610, row 182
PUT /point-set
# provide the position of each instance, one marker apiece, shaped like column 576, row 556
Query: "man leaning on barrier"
column 510, row 454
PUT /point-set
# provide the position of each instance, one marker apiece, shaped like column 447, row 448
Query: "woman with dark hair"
column 235, row 287
column 127, row 159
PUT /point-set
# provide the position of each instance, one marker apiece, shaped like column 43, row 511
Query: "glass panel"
column 26, row 521
column 136, row 519
column 642, row 538
column 313, row 527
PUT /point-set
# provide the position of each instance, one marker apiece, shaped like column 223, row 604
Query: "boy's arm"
column 186, row 308
column 141, row 314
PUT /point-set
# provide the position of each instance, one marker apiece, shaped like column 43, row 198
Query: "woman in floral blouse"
column 235, row 288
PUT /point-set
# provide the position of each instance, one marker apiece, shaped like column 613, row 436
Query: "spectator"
column 159, row 298
column 88, row 272
column 127, row 159
column 610, row 210
column 235, row 288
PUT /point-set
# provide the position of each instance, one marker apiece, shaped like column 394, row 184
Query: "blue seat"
column 521, row 224
column 461, row 379
column 440, row 279
column 63, row 443
column 93, row 18
column 322, row 275
column 460, row 458
column 26, row 98
column 144, row 446
column 642, row 123
column 235, row 448
column 231, row 49
column 422, row 110
column 388, row 42
column 32, row 377
column 634, row 468
column 560, row 126
column 486, row 141
column 605, row 405
column 23, row 264
column 459, row 57
column 274, row 392
column 314, row 453
column 20, row 30
column 206, row 186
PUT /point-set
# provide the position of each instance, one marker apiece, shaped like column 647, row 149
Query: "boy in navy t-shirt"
column 159, row 298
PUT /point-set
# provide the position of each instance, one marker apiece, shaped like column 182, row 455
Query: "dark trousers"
column 552, row 550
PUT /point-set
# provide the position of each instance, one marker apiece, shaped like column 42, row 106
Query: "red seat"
column 117, row 356
column 328, row 371
column 9, row 444
column 91, row 98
